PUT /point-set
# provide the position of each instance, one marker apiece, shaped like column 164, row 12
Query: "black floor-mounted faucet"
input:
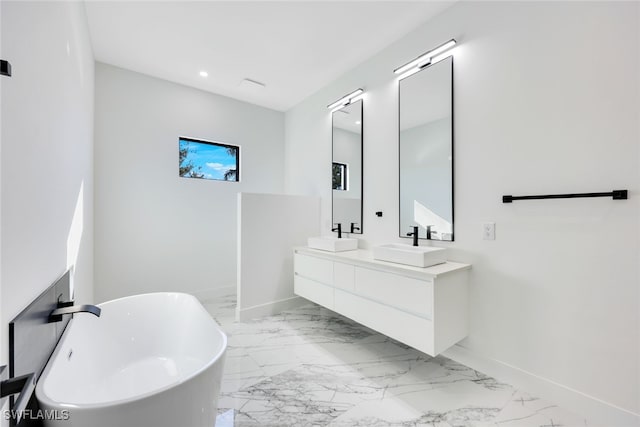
column 414, row 234
column 338, row 229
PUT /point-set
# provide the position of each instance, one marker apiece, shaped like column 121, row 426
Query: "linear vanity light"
column 346, row 100
column 426, row 58
column 356, row 98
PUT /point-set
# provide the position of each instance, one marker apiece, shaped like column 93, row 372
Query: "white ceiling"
column 294, row 47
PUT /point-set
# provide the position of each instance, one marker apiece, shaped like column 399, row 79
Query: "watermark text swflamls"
column 40, row 414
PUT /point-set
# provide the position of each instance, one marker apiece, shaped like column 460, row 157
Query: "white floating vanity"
column 425, row 308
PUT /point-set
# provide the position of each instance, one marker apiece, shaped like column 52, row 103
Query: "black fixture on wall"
column 23, row 386
column 338, row 229
column 414, row 234
column 68, row 308
column 5, row 68
column 615, row 195
column 32, row 340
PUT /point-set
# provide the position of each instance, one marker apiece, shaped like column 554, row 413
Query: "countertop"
column 364, row 258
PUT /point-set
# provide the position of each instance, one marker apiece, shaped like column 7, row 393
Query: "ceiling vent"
column 252, row 84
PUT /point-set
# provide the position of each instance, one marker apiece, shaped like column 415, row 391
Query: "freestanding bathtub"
column 148, row 360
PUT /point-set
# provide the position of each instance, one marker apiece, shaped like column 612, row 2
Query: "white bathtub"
column 148, row 360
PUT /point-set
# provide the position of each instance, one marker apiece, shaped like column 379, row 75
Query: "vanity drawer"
column 344, row 276
column 414, row 331
column 313, row 268
column 405, row 293
column 313, row 291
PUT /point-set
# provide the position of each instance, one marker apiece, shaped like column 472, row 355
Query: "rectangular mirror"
column 426, row 152
column 346, row 168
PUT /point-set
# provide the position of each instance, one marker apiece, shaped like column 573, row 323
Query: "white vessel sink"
column 418, row 256
column 332, row 244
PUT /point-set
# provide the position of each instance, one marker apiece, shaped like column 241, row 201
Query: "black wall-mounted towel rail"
column 615, row 194
column 23, row 386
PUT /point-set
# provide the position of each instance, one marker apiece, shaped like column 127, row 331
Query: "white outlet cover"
column 489, row 231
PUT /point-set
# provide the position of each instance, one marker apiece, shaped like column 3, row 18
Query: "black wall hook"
column 5, row 68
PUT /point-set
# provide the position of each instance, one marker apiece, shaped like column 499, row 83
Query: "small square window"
column 208, row 160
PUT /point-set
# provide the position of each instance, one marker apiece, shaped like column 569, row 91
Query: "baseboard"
column 205, row 295
column 596, row 411
column 269, row 309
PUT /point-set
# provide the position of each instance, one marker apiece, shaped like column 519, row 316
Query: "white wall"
column 156, row 231
column 546, row 101
column 269, row 227
column 47, row 153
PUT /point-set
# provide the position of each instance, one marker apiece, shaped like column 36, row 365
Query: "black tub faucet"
column 354, row 228
column 414, row 234
column 338, row 229
column 56, row 315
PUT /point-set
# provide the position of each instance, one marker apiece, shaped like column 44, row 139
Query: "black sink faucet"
column 429, row 231
column 354, row 228
column 414, row 234
column 338, row 229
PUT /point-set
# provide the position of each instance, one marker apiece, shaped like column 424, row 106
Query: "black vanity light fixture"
column 425, row 59
column 346, row 100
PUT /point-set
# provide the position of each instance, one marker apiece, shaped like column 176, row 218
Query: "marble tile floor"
column 312, row 367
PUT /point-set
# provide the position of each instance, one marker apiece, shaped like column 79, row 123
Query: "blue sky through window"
column 208, row 160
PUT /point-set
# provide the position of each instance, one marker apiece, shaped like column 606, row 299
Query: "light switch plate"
column 489, row 231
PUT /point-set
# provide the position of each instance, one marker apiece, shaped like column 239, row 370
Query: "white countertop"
column 364, row 258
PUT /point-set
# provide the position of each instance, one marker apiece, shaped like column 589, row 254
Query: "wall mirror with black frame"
column 346, row 167
column 426, row 151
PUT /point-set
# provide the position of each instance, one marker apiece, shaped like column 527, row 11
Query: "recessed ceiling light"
column 204, row 74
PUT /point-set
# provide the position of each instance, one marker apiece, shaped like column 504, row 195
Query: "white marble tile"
column 312, row 367
column 524, row 410
column 356, row 352
column 240, row 372
column 309, row 393
column 240, row 366
column 463, row 403
column 222, row 309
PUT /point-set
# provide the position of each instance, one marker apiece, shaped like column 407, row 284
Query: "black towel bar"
column 23, row 386
column 615, row 194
